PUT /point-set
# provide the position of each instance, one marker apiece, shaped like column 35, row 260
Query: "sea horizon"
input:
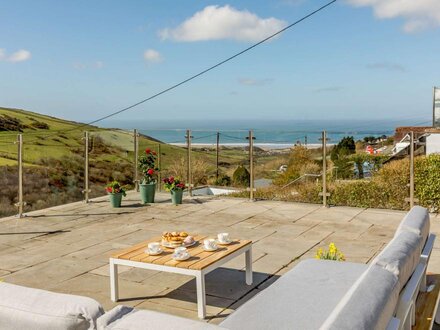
column 272, row 134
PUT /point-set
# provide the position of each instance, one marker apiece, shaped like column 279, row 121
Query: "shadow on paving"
column 224, row 287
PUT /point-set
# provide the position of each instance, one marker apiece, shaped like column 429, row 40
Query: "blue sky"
column 358, row 59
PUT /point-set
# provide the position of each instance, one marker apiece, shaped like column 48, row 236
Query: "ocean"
column 267, row 133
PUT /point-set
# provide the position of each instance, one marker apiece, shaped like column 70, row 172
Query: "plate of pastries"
column 175, row 239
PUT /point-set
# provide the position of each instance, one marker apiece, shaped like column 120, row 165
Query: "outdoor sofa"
column 316, row 294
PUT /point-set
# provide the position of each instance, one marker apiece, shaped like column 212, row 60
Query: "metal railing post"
column 324, row 193
column 86, row 167
column 251, row 165
column 217, row 150
column 411, row 170
column 20, row 203
column 188, row 164
column 136, row 159
column 159, row 162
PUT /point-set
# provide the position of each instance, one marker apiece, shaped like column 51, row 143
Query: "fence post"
column 20, row 203
column 86, row 168
column 217, row 150
column 188, row 173
column 159, row 162
column 136, row 155
column 324, row 193
column 251, row 165
column 411, row 170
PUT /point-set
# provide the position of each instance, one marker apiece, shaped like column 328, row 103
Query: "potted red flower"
column 147, row 164
column 175, row 187
column 115, row 193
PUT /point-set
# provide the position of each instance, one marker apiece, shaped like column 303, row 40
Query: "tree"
column 241, row 177
column 344, row 148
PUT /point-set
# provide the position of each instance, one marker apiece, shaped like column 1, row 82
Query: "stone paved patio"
column 66, row 248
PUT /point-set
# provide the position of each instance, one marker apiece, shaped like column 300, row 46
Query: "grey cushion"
column 416, row 221
column 23, row 308
column 401, row 256
column 369, row 304
column 127, row 318
column 301, row 299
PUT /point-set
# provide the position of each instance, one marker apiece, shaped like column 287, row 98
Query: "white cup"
column 154, row 247
column 223, row 237
column 209, row 244
column 180, row 251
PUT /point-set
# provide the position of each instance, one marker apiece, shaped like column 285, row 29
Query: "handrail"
column 301, row 177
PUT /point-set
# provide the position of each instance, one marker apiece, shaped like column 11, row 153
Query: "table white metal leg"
column 249, row 276
column 114, row 286
column 201, row 295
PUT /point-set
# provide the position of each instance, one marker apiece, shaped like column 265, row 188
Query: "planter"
column 176, row 196
column 115, row 199
column 147, row 191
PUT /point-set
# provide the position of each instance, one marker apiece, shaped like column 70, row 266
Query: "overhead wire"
column 166, row 90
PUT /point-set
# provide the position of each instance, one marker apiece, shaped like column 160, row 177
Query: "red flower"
column 150, row 171
column 109, row 189
column 148, row 151
column 171, row 179
column 154, row 153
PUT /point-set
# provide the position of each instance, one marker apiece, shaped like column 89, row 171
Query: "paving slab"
column 66, row 248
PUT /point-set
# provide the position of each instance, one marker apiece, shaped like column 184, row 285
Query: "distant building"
column 433, row 141
column 426, row 140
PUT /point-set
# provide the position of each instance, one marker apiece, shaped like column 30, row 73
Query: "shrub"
column 241, row 177
column 224, row 180
column 300, row 162
column 427, row 181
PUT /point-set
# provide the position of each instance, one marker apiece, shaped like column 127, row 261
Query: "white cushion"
column 401, row 256
column 127, row 318
column 416, row 221
column 23, row 308
column 368, row 305
column 301, row 299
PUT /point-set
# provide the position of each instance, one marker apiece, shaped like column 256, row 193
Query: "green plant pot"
column 176, row 196
column 115, row 199
column 147, row 191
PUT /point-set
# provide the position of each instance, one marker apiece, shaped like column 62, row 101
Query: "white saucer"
column 183, row 258
column 224, row 243
column 147, row 251
column 210, row 249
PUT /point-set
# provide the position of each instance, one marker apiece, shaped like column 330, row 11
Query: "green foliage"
column 147, row 164
column 241, row 177
column 374, row 161
column 345, row 147
column 115, row 187
column 223, row 180
column 300, row 162
column 427, row 181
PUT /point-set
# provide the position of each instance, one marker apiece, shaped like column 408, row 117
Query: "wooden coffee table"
column 200, row 263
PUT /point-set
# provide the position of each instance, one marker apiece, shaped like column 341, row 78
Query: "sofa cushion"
column 416, row 221
column 401, row 256
column 23, row 308
column 368, row 305
column 301, row 299
column 127, row 318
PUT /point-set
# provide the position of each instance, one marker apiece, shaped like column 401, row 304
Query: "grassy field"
column 54, row 150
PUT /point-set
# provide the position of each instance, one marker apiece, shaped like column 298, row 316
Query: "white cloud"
column 418, row 14
column 216, row 23
column 386, row 66
column 18, row 56
column 99, row 65
column 254, row 82
column 152, row 56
